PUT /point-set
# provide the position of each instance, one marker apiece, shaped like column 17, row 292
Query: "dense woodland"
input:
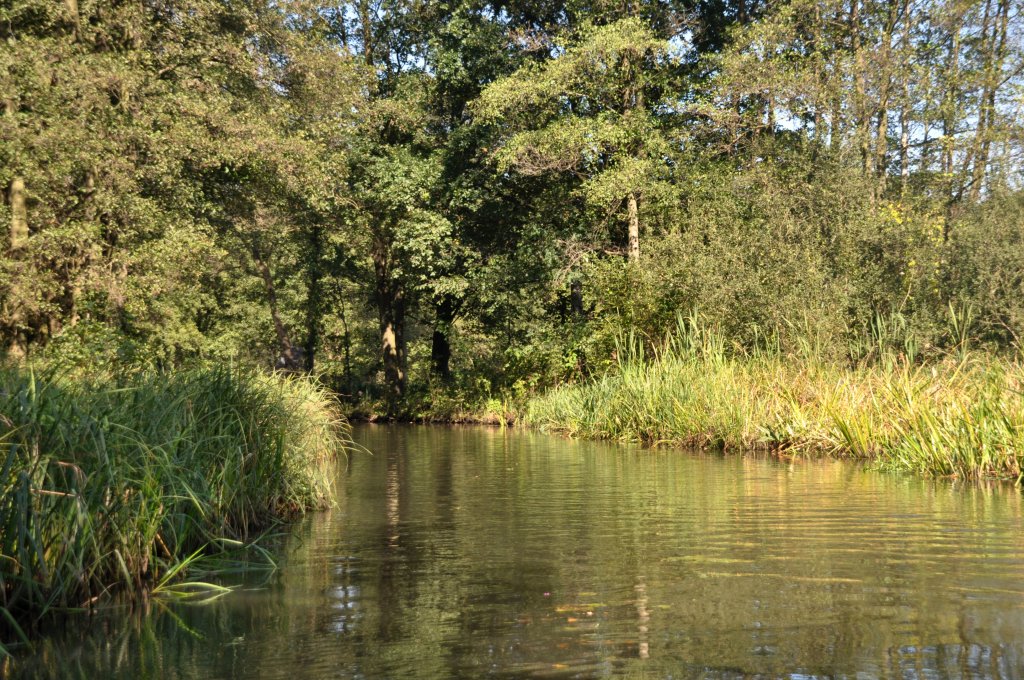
column 421, row 201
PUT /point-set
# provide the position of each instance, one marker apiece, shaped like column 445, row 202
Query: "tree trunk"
column 819, row 81
column 16, row 196
column 986, row 48
column 392, row 330
column 19, row 213
column 12, row 318
column 881, row 149
column 904, row 150
column 576, row 298
column 986, row 117
column 291, row 358
column 906, row 49
column 76, row 19
column 882, row 123
column 366, row 27
column 861, row 117
column 391, row 311
column 949, row 106
column 633, row 251
column 440, row 345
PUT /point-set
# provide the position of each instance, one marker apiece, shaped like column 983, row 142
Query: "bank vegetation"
column 961, row 416
column 117, row 485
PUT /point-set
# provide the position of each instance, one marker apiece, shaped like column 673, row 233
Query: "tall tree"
column 589, row 111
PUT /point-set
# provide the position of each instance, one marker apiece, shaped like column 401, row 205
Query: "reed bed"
column 962, row 416
column 118, row 484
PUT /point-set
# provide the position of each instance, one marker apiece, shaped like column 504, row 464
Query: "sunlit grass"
column 122, row 484
column 962, row 416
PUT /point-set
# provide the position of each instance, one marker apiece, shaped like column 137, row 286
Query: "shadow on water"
column 470, row 552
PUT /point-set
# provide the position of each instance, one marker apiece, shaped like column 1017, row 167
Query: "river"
column 473, row 552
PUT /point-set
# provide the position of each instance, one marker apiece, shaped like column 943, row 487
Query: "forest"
column 737, row 224
column 436, row 205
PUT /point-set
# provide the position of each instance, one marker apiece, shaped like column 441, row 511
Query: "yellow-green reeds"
column 962, row 416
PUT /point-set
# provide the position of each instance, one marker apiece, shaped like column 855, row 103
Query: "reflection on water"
column 475, row 552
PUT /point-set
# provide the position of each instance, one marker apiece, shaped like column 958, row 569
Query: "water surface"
column 470, row 552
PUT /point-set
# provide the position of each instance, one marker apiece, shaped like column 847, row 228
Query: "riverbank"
column 961, row 417
column 116, row 484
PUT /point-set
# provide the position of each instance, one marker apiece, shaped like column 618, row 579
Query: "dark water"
column 480, row 553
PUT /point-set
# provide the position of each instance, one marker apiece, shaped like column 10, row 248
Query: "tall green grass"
column 114, row 484
column 961, row 416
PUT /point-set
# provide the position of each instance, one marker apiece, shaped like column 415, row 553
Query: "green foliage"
column 429, row 203
column 986, row 264
column 776, row 257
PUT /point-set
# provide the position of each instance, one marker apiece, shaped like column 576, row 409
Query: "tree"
column 837, row 71
column 590, row 111
column 138, row 140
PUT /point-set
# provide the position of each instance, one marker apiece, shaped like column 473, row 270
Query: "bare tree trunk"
column 389, row 345
column 862, row 119
column 949, row 106
column 16, row 197
column 76, row 18
column 905, row 106
column 986, row 44
column 391, row 311
column 926, row 138
column 986, row 116
column 19, row 213
column 819, row 81
column 11, row 316
column 881, row 146
column 904, row 149
column 633, row 250
column 632, row 98
column 832, row 86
